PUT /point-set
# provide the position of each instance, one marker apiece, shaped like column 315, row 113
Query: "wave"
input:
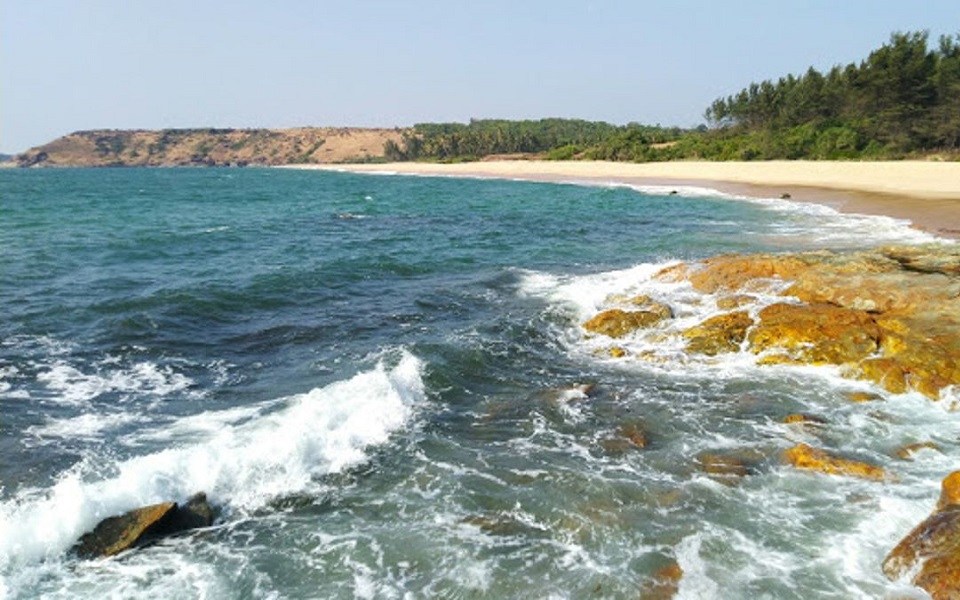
column 245, row 460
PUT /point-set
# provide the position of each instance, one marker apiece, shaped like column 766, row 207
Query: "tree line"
column 902, row 100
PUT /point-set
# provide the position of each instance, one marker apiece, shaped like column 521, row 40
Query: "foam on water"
column 72, row 386
column 242, row 464
column 809, row 222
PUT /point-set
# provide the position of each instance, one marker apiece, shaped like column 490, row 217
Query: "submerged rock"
column 629, row 436
column 907, row 451
column 664, row 583
column 807, row 457
column 934, row 545
column 143, row 525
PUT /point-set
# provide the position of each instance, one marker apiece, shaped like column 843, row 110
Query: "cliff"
column 211, row 147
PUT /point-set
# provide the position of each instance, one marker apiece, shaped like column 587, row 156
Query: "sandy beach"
column 923, row 192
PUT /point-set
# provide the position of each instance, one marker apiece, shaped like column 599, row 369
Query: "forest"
column 902, row 101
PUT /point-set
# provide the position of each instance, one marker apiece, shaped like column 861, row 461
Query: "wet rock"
column 617, row 352
column 733, row 272
column 618, row 323
column 735, row 301
column 907, row 451
column 803, row 456
column 629, row 436
column 934, row 544
column 861, row 397
column 722, row 333
column 143, row 525
column 728, row 467
column 816, row 334
column 664, row 583
column 804, row 419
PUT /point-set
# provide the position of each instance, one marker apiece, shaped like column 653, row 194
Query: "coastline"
column 923, row 192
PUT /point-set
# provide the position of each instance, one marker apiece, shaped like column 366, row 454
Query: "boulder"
column 934, row 545
column 722, row 333
column 143, row 525
column 803, row 456
column 617, row 323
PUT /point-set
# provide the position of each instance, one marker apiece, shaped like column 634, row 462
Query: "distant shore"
column 925, row 193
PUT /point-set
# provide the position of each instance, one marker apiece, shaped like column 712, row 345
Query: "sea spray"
column 241, row 466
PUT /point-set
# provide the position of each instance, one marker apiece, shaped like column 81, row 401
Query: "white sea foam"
column 241, row 466
column 72, row 386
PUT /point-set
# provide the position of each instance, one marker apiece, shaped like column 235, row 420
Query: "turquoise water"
column 375, row 378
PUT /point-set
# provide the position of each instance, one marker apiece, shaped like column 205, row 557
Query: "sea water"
column 377, row 381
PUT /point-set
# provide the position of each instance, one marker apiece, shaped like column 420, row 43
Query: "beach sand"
column 924, row 192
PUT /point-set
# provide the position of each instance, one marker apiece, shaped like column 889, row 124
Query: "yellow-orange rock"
column 735, row 301
column 734, row 272
column 802, row 419
column 722, row 333
column 618, row 323
column 803, row 456
column 816, row 334
column 949, row 490
column 935, row 545
column 861, row 397
column 617, row 352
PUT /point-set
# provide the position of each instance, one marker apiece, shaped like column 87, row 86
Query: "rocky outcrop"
column 934, row 545
column 890, row 316
column 807, row 457
column 143, row 525
column 211, row 147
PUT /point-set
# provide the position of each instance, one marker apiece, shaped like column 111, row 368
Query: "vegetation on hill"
column 902, row 100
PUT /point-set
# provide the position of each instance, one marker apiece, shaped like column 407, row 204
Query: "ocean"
column 380, row 382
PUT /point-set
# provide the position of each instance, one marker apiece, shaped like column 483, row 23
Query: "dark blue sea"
column 379, row 380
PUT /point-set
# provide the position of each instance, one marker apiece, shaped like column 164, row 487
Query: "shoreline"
column 925, row 193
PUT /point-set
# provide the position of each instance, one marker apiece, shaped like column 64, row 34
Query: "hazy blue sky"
column 70, row 64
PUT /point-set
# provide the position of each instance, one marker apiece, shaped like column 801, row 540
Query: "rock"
column 802, row 419
column 735, row 301
column 890, row 316
column 116, row 534
column 733, row 272
column 861, row 397
column 728, row 467
column 143, row 525
column 907, row 451
column 629, row 436
column 803, row 456
column 617, row 352
column 816, row 334
column 618, row 323
column 722, row 333
column 785, row 196
column 935, row 545
column 664, row 583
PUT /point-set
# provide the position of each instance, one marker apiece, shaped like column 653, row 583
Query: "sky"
column 68, row 65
